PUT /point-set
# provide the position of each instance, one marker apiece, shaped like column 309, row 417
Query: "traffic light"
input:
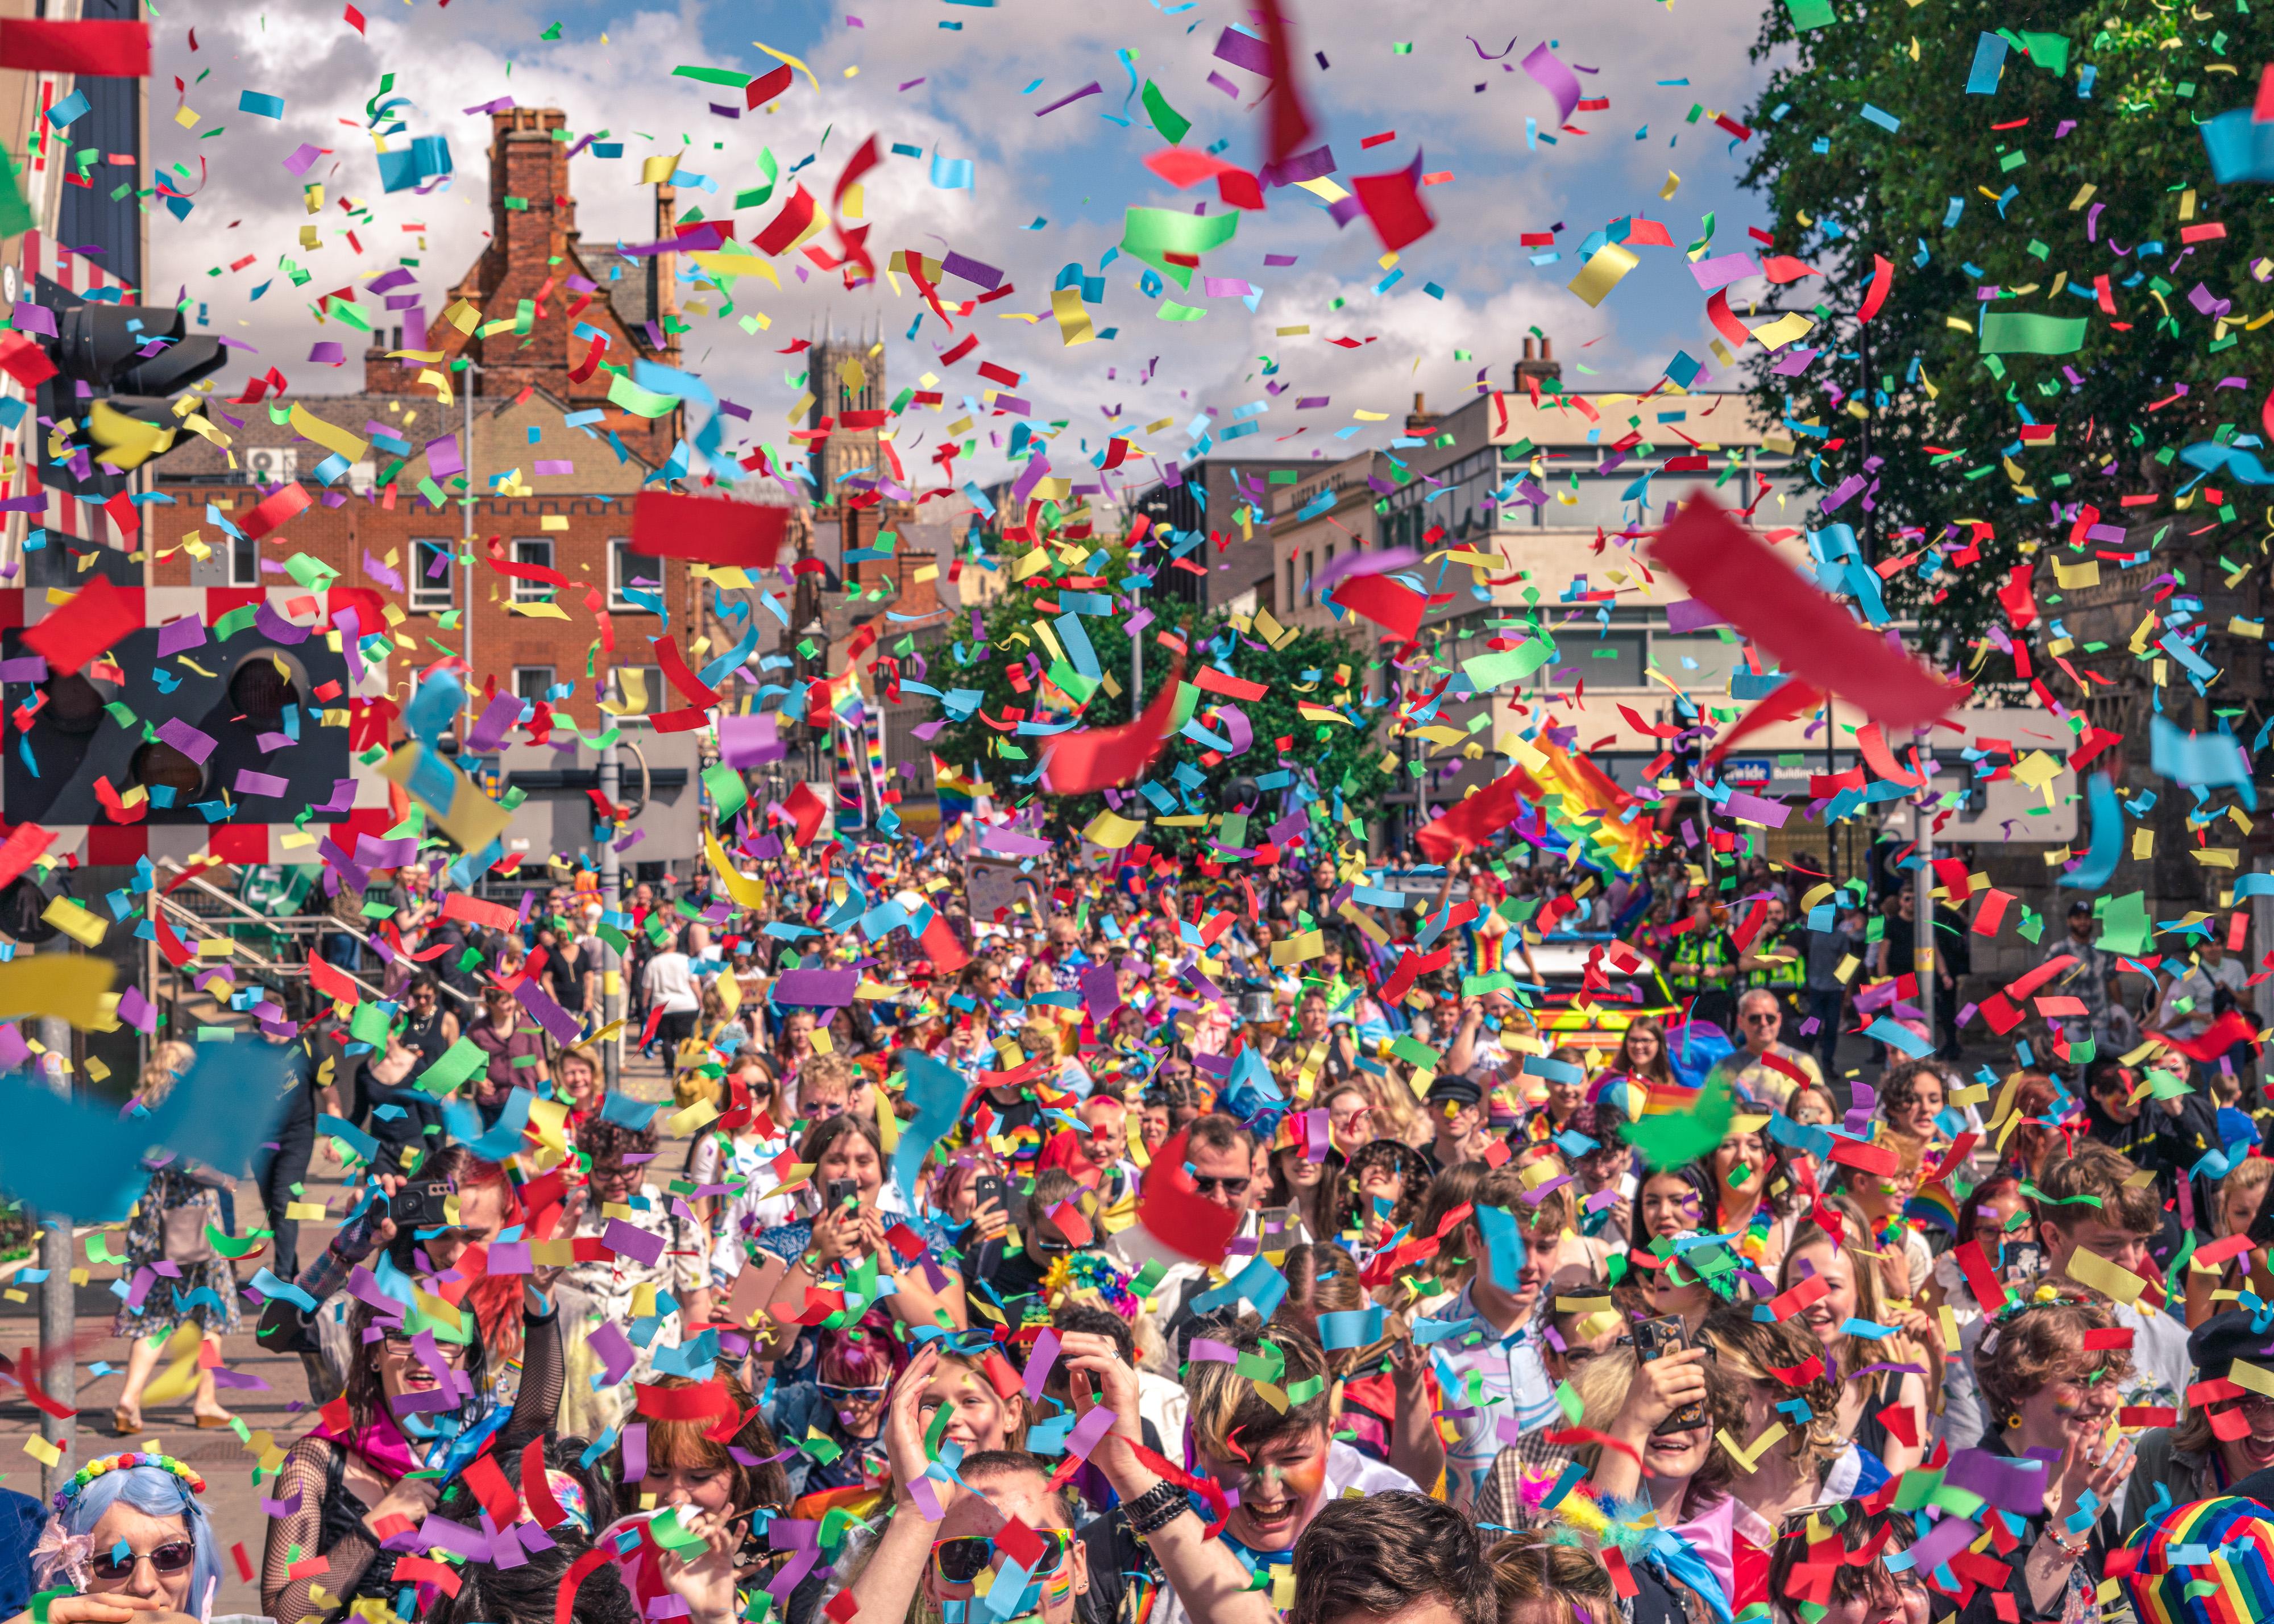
column 248, row 742
column 132, row 360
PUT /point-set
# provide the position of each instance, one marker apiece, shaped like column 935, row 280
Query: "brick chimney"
column 1537, row 368
column 663, row 273
column 1420, row 420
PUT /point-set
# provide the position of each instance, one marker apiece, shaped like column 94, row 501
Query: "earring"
column 2014, row 1420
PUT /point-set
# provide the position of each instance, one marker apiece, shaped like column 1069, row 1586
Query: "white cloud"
column 971, row 105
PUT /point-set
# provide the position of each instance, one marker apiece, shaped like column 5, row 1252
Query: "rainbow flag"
column 1934, row 1204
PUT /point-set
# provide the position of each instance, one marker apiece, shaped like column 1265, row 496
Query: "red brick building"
column 557, row 466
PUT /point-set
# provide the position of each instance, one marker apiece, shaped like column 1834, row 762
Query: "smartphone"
column 839, row 1193
column 1654, row 1339
column 990, row 1187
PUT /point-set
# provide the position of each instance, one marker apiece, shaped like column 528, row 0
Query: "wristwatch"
column 1155, row 1508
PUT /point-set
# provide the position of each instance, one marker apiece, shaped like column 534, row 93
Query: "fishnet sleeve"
column 544, row 1373
column 286, row 1599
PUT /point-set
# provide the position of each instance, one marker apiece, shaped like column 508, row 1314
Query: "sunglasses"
column 961, row 1560
column 402, row 1348
column 170, row 1558
column 833, row 1391
column 1230, row 1187
column 1760, row 1017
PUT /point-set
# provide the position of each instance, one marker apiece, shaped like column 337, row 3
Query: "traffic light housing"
column 132, row 360
column 79, row 744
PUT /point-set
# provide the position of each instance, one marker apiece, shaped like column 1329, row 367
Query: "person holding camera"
column 418, row 1406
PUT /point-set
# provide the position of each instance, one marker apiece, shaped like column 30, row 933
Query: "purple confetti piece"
column 1556, row 79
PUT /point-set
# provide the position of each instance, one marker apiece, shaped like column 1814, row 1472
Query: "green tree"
column 2086, row 151
column 1312, row 667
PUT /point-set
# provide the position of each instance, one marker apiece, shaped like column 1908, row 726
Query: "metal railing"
column 294, row 931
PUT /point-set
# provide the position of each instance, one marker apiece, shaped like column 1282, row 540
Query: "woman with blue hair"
column 130, row 1536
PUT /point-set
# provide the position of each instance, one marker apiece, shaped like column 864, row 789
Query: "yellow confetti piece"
column 40, row 1450
column 786, row 57
column 1605, row 269
column 2113, row 1281
column 1073, row 317
column 1747, row 1459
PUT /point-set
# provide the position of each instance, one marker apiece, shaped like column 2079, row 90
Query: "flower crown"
column 93, row 1469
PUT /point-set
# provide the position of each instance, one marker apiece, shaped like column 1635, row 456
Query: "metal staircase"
column 266, row 952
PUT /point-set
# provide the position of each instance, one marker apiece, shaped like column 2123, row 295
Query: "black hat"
column 2219, row 1341
column 1459, row 1090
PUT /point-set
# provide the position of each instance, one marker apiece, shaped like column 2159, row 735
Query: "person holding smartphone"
column 1012, row 1272
column 854, row 1210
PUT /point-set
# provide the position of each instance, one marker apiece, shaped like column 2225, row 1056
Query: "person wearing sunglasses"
column 1765, row 1070
column 129, row 1535
column 944, row 1555
column 1015, row 1272
column 418, row 1385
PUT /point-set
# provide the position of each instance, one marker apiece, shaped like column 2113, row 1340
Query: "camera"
column 423, row 1205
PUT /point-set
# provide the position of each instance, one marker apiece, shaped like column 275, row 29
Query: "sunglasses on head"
column 170, row 1558
column 961, row 1560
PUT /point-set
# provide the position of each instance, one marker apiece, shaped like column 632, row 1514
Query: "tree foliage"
column 2099, row 160
column 1339, row 761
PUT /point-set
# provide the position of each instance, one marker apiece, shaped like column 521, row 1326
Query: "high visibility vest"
column 1785, row 976
column 1695, row 951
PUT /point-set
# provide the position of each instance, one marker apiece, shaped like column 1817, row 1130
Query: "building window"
column 433, row 578
column 1605, row 659
column 244, row 561
column 639, row 690
column 628, row 568
column 540, row 555
column 533, row 683
column 1291, row 586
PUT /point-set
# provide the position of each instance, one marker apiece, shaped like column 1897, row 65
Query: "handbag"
column 186, row 1240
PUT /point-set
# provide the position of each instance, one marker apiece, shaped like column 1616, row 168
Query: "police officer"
column 1703, row 964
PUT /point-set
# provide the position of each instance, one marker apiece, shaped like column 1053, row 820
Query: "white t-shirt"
column 2199, row 984
column 1512, row 1386
column 751, row 1160
column 671, row 985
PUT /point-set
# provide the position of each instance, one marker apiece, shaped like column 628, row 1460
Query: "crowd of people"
column 1173, row 1247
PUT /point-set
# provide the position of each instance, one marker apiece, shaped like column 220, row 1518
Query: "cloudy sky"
column 965, row 81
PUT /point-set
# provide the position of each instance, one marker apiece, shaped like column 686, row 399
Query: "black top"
column 1010, row 1273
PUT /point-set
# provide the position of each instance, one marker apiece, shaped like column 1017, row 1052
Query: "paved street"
column 279, row 1405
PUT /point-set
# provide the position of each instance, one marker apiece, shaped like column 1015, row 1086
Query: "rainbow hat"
column 2211, row 1562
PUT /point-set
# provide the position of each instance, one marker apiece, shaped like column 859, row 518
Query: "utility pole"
column 612, row 887
column 1922, row 908
column 58, row 1298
